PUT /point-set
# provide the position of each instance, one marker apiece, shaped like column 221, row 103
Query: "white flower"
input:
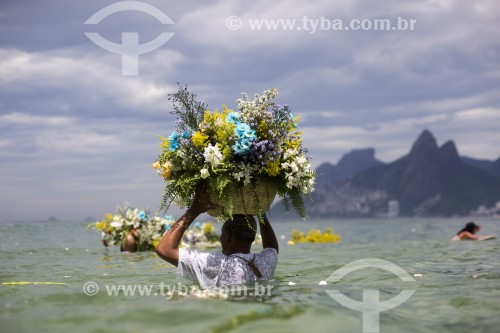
column 247, row 179
column 204, row 173
column 212, row 155
column 289, row 153
column 116, row 225
column 238, row 175
column 245, row 173
column 301, row 160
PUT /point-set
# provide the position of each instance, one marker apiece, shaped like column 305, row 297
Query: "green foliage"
column 187, row 108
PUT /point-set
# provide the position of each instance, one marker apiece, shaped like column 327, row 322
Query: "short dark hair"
column 243, row 227
column 470, row 227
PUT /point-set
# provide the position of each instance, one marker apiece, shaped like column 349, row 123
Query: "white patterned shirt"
column 217, row 269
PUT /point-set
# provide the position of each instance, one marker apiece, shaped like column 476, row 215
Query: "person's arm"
column 485, row 237
column 268, row 236
column 168, row 248
column 465, row 235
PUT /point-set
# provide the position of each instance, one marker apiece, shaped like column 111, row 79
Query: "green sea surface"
column 457, row 283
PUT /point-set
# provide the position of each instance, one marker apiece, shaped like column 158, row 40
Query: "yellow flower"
column 208, row 228
column 199, row 139
column 315, row 236
column 293, row 143
column 156, row 165
column 165, row 143
column 166, row 169
column 273, row 169
column 102, row 225
column 263, row 130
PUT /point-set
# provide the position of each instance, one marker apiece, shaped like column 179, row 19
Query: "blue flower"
column 244, row 131
column 186, row 134
column 241, row 147
column 245, row 134
column 142, row 215
column 173, row 139
column 233, row 117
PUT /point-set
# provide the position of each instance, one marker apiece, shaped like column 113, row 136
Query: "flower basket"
column 150, row 230
column 252, row 199
column 247, row 156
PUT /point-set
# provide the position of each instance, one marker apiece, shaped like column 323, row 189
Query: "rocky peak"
column 358, row 158
column 449, row 154
column 425, row 146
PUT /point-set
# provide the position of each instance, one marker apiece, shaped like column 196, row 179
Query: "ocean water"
column 457, row 284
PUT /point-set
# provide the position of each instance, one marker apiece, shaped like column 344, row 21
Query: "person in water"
column 469, row 233
column 236, row 264
column 128, row 244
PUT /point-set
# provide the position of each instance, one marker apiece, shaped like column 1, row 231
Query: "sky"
column 77, row 137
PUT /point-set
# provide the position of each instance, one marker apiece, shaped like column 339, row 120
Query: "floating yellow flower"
column 315, row 236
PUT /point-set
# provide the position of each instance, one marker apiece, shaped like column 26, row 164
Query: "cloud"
column 77, row 138
column 32, row 120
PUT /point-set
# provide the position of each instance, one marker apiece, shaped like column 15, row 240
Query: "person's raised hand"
column 201, row 202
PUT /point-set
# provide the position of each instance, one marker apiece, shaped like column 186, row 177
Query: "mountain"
column 330, row 198
column 495, row 168
column 432, row 180
column 492, row 167
column 428, row 181
column 351, row 163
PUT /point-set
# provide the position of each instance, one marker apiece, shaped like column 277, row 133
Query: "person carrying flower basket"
column 235, row 264
column 231, row 164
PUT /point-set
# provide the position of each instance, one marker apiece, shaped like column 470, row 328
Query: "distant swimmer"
column 469, row 233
